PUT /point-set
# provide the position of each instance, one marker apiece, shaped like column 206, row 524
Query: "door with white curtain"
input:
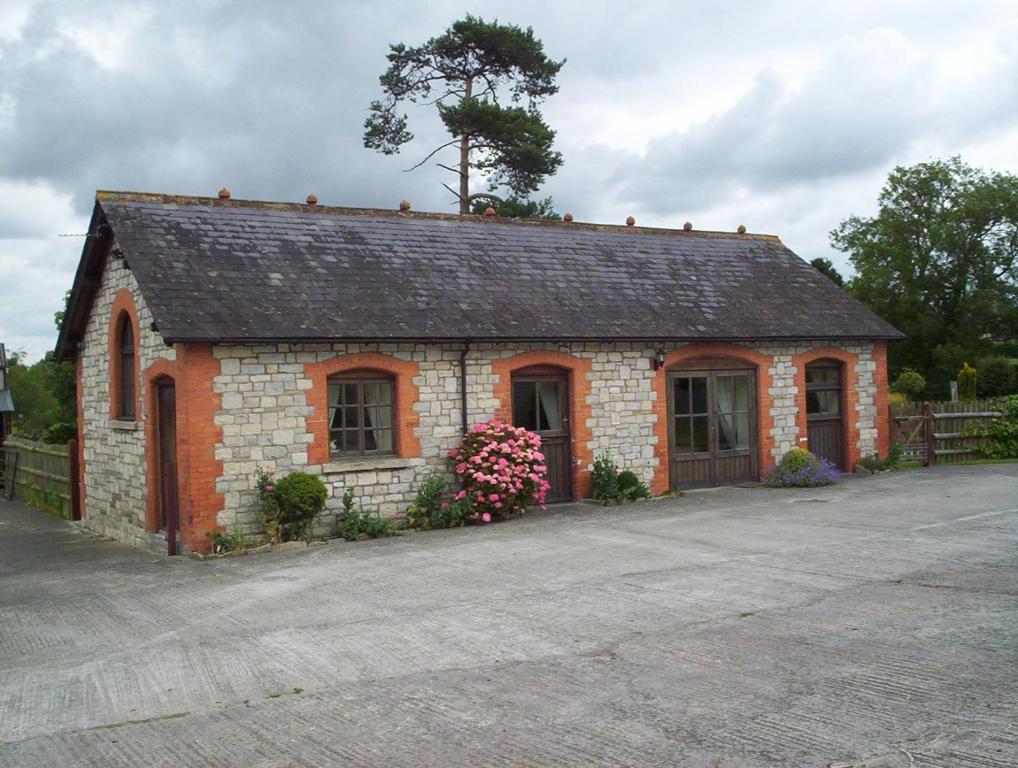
column 712, row 432
column 541, row 404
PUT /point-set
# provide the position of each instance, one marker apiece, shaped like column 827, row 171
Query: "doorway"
column 166, row 461
column 540, row 402
column 712, row 426
column 824, row 428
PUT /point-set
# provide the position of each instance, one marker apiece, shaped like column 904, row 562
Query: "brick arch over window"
column 405, row 394
column 123, row 307
column 764, row 401
column 849, row 398
column 577, row 369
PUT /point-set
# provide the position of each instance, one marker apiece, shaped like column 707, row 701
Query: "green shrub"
column 1003, row 432
column 967, row 379
column 909, row 383
column 60, row 433
column 435, row 507
column 998, row 376
column 296, row 499
column 604, row 478
column 228, row 542
column 630, row 486
column 876, row 464
column 352, row 523
column 800, row 468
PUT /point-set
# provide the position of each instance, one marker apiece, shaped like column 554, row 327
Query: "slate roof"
column 214, row 270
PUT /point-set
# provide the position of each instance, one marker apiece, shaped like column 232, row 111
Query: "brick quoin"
column 123, row 302
column 577, row 369
column 198, row 468
column 882, row 417
column 849, row 398
column 78, row 394
column 405, row 395
column 764, row 401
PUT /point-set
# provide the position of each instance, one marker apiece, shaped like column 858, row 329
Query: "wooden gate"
column 946, row 432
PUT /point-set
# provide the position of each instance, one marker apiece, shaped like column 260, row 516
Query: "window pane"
column 351, row 440
column 700, row 437
column 682, row 395
column 333, row 394
column 350, row 394
column 733, row 432
column 385, row 393
column 816, row 375
column 699, row 385
column 377, row 416
column 335, row 418
column 351, row 417
column 127, row 386
column 824, row 402
column 683, row 434
column 550, row 407
column 378, row 440
column 525, row 405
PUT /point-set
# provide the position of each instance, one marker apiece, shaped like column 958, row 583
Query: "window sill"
column 123, row 425
column 365, row 465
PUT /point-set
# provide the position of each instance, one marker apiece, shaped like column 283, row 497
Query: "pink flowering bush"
column 501, row 470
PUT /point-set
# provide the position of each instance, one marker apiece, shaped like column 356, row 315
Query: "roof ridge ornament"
column 224, row 194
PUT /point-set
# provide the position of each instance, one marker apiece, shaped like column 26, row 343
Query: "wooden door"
column 166, row 450
column 541, row 405
column 824, row 427
column 712, row 435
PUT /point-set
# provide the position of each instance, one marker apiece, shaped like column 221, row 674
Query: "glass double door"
column 712, row 435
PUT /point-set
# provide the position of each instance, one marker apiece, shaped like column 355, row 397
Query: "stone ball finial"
column 224, row 194
column 742, row 229
column 688, row 226
column 404, row 205
column 489, row 211
column 567, row 217
column 312, row 200
column 630, row 221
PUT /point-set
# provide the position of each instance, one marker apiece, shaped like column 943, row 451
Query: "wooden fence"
column 44, row 475
column 945, row 432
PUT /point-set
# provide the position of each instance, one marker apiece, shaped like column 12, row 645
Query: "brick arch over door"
column 849, row 398
column 577, row 369
column 199, row 503
column 123, row 304
column 765, row 421
column 406, row 395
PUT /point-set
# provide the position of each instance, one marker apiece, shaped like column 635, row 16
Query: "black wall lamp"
column 659, row 360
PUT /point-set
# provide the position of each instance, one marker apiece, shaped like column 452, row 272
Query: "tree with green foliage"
column 467, row 73
column 967, row 380
column 43, row 394
column 940, row 262
column 909, row 383
column 518, row 208
column 827, row 267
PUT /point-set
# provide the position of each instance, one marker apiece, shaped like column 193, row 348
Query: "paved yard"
column 876, row 620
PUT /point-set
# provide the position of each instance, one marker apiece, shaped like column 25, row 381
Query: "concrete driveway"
column 873, row 621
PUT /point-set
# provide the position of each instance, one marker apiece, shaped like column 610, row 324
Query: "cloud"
column 782, row 117
column 867, row 102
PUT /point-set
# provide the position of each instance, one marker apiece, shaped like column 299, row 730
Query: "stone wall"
column 113, row 451
column 265, row 411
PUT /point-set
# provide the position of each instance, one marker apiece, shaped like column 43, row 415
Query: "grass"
column 919, row 464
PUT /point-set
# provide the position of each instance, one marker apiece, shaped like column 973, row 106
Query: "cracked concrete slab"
column 871, row 623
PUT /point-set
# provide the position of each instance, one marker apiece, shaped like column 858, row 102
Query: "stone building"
column 214, row 337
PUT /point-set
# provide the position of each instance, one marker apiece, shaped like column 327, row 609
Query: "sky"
column 783, row 116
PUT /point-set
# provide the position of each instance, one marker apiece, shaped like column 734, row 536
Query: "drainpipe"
column 463, row 384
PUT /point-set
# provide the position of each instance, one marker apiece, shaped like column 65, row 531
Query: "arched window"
column 361, row 414
column 125, row 369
